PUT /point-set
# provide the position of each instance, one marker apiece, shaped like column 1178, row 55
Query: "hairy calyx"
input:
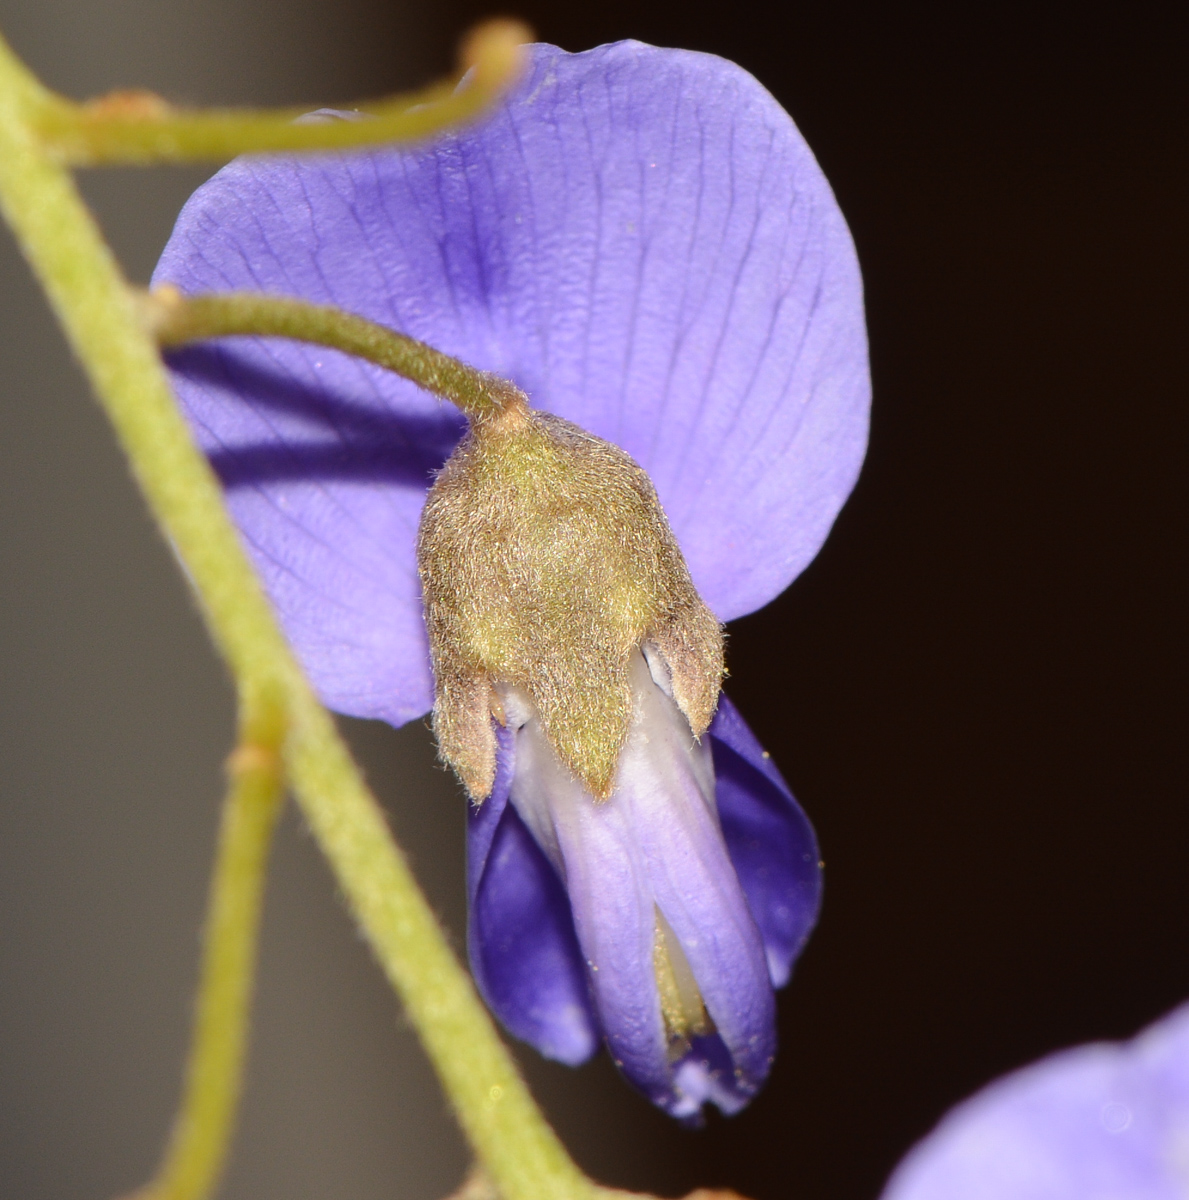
column 546, row 562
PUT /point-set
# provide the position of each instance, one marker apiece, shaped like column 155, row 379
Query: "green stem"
column 519, row 1150
column 202, row 1133
column 139, row 127
column 175, row 319
column 510, row 1136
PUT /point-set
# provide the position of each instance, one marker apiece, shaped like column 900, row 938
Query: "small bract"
column 641, row 241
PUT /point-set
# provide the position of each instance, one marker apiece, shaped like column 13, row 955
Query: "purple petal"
column 1100, row 1120
column 769, row 839
column 520, row 934
column 639, row 237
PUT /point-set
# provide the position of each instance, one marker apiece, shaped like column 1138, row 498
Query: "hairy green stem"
column 519, row 1150
column 139, row 127
column 175, row 319
column 202, row 1133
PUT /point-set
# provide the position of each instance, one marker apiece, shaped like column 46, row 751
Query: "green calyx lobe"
column 545, row 562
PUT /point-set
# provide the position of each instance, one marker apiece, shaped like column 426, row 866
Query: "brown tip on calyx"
column 462, row 716
column 691, row 645
column 475, row 767
column 600, row 786
column 599, row 773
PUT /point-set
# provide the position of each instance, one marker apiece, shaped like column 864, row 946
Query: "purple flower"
column 1108, row 1121
column 642, row 241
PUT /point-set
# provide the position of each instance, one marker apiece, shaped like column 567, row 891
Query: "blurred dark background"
column 977, row 690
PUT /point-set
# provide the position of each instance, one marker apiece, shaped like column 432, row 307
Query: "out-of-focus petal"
column 769, row 839
column 1099, row 1122
column 520, row 933
column 639, row 237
